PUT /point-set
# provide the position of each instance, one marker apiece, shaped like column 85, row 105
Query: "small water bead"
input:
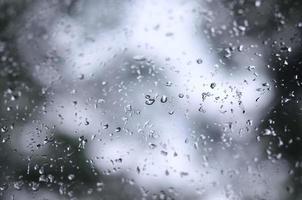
column 249, row 122
column 139, row 58
column 35, row 186
column 279, row 156
column 149, row 100
column 240, row 48
column 3, row 187
column 51, row 178
column 18, row 185
column 62, row 189
column 201, row 109
column 105, row 126
column 171, row 112
column 152, row 146
column 36, row 167
column 71, row 177
column 213, row 85
column 199, row 61
column 128, row 108
column 81, row 76
column 99, row 186
column 163, row 99
column 41, row 170
column 82, row 142
column 204, row 95
column 251, row 68
column 164, row 153
column 181, row 95
column 257, row 3
column 4, row 129
column 43, row 178
column 168, row 83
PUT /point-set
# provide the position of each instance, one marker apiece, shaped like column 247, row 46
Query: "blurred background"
column 150, row 99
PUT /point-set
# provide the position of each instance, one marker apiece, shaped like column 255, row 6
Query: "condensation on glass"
column 147, row 99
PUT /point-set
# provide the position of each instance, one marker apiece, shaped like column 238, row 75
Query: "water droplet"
column 169, row 83
column 240, row 48
column 149, row 100
column 43, row 178
column 41, row 170
column 249, row 122
column 81, row 76
column 82, row 142
column 279, row 156
column 35, row 186
column 128, row 108
column 4, row 129
column 71, row 177
column 171, row 112
column 250, row 68
column 164, row 153
column 18, row 185
column 138, row 169
column 105, row 126
column 139, row 58
column 213, row 85
column 99, row 186
column 51, row 178
column 152, row 146
column 204, row 95
column 163, row 99
column 181, row 95
column 199, row 61
column 3, row 187
column 201, row 109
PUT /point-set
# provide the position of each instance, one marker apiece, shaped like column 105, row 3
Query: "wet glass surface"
column 150, row 99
